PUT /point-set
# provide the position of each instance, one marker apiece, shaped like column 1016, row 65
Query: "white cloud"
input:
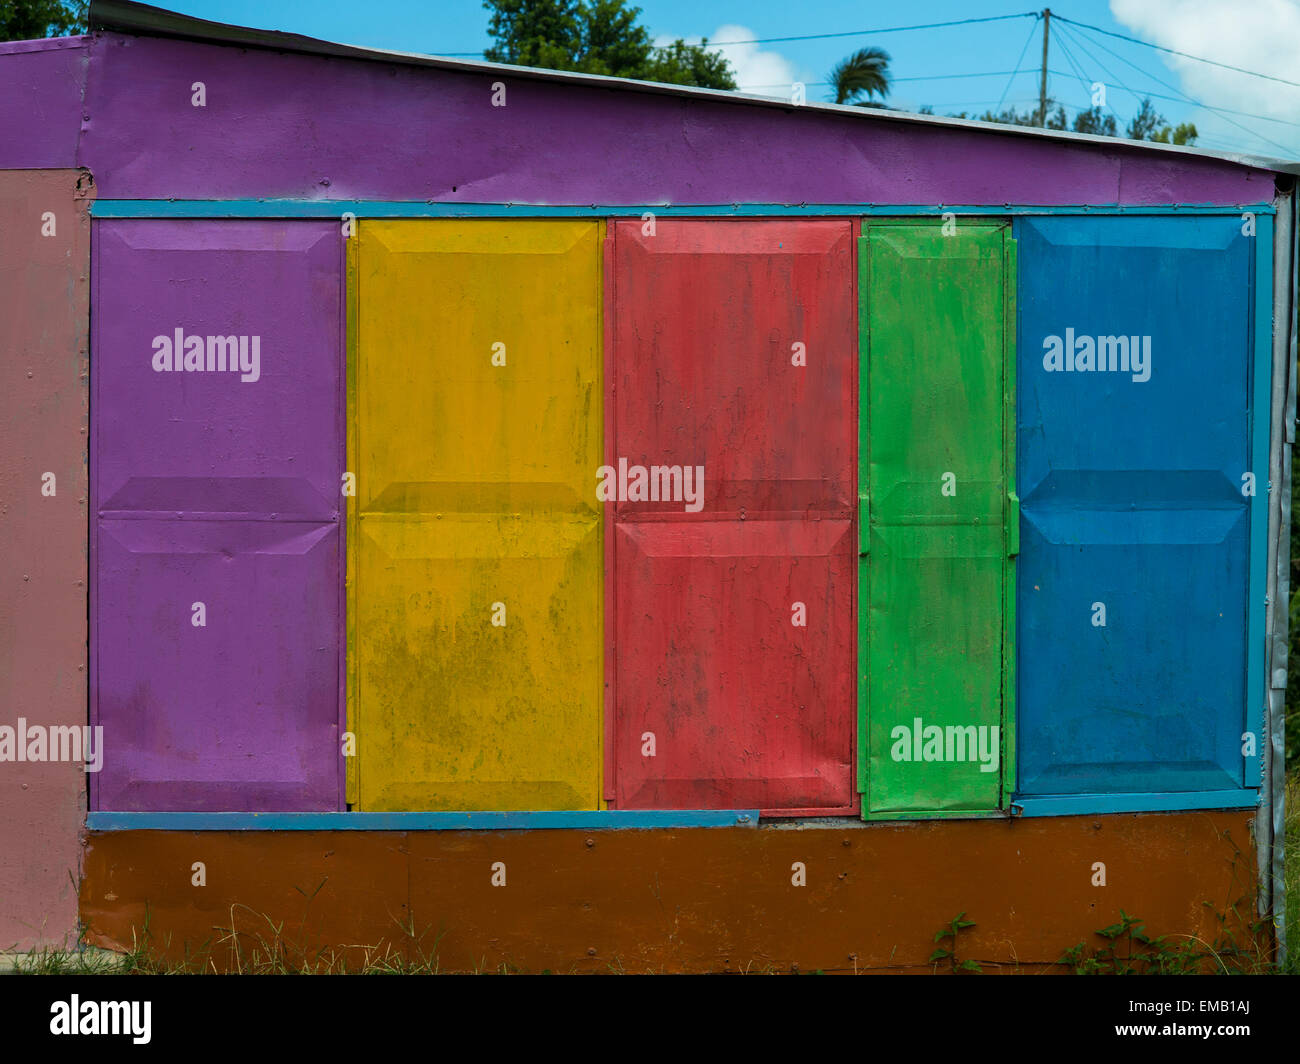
column 757, row 71
column 1259, row 35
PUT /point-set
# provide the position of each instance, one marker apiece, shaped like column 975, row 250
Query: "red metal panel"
column 733, row 349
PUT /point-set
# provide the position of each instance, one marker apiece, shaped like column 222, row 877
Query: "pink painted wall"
column 44, row 316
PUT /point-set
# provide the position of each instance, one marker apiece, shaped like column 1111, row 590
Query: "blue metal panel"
column 1132, row 498
column 583, row 820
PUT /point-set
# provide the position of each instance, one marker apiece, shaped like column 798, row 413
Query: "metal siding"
column 746, row 709
column 44, row 84
column 1131, row 496
column 44, row 317
column 674, row 899
column 216, row 490
column 562, row 143
column 1261, row 410
column 476, row 484
column 935, row 565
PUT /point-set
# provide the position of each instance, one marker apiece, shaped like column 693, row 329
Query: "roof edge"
column 126, row 16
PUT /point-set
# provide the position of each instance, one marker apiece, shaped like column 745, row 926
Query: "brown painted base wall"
column 671, row 900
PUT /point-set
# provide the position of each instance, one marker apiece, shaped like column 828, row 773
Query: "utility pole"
column 1042, row 81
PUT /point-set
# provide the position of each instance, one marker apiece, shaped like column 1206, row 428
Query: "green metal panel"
column 938, row 524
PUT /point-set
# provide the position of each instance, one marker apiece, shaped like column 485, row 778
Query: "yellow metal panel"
column 476, row 503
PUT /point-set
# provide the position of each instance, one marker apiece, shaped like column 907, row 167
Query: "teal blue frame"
column 282, row 208
column 576, row 820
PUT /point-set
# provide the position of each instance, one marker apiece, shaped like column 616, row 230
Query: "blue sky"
column 1232, row 111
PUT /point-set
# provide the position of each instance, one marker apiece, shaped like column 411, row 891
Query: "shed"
column 441, row 478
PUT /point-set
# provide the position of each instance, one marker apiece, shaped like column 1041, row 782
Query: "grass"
column 1291, row 871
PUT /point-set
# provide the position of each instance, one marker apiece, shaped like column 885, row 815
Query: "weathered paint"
column 358, row 144
column 935, row 516
column 1125, row 508
column 713, row 322
column 676, row 900
column 213, row 489
column 476, row 503
column 44, row 320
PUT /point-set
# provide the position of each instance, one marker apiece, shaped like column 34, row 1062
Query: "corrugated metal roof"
column 124, row 16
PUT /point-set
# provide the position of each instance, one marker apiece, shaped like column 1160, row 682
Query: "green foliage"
column 955, row 926
column 1292, row 725
column 1011, row 117
column 597, row 37
column 860, row 76
column 1291, row 869
column 1149, row 124
column 28, row 20
column 680, row 63
column 1095, row 121
column 1129, row 950
column 1184, row 133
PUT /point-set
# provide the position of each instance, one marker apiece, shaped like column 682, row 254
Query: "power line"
column 1083, row 81
column 1175, row 51
column 1158, row 81
column 827, row 36
column 894, row 81
column 1019, row 59
column 887, row 29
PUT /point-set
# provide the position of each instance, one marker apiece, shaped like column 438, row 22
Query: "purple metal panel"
column 44, row 302
column 217, row 486
column 300, row 126
column 41, row 84
column 240, row 714
column 212, row 441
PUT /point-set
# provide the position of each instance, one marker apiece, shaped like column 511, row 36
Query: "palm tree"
column 865, row 72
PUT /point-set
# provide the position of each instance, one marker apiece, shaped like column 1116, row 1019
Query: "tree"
column 1183, row 133
column 1012, row 117
column 680, row 63
column 1149, row 124
column 1094, row 121
column 1146, row 122
column 26, row 20
column 860, row 76
column 597, row 37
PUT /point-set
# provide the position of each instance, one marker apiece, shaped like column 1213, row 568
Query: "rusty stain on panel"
column 692, row 900
column 44, row 308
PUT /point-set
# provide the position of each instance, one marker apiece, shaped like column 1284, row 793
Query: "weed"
column 955, row 926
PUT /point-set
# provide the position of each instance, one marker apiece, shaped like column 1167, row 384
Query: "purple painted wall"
column 41, row 86
column 44, row 300
column 218, row 487
column 301, row 126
